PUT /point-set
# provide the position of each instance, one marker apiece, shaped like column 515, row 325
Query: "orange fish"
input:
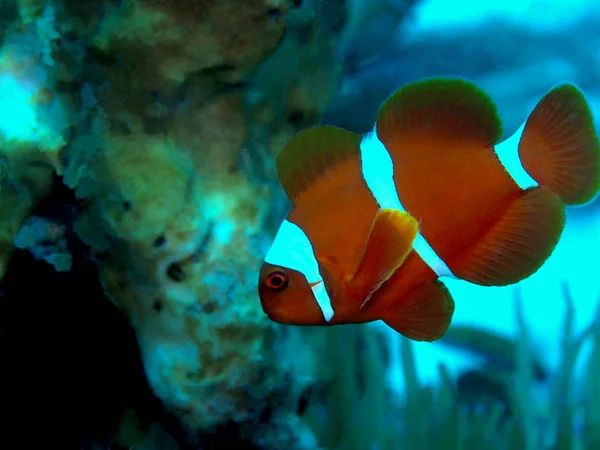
column 429, row 193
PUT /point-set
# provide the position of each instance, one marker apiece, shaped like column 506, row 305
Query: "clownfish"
column 431, row 192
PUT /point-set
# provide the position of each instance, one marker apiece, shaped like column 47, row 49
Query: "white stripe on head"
column 322, row 297
column 293, row 250
column 508, row 154
column 378, row 172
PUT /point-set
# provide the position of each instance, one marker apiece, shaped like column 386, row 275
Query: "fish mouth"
column 278, row 315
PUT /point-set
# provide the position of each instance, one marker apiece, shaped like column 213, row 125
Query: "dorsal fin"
column 438, row 113
column 313, row 152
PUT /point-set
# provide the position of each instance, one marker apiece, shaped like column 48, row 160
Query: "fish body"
column 430, row 193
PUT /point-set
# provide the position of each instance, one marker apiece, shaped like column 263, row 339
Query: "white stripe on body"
column 508, row 154
column 378, row 172
column 293, row 250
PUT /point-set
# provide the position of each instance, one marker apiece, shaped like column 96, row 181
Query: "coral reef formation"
column 164, row 117
column 178, row 225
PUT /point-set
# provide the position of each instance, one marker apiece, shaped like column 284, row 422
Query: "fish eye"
column 276, row 281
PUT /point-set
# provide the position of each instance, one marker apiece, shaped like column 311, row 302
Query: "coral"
column 46, row 240
column 21, row 187
column 279, row 107
column 35, row 117
column 29, row 10
column 233, row 37
column 144, row 47
column 173, row 165
column 148, row 112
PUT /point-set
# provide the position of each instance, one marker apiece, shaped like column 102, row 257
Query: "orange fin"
column 518, row 244
column 425, row 314
column 559, row 146
column 438, row 113
column 313, row 152
column 389, row 243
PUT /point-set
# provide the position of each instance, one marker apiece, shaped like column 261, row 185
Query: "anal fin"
column 424, row 315
column 518, row 244
column 390, row 241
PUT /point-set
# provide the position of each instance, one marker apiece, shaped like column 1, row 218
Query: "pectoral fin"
column 389, row 243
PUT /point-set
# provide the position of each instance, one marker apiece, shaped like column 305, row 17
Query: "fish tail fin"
column 424, row 315
column 559, row 146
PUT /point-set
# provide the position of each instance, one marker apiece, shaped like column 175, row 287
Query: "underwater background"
column 138, row 197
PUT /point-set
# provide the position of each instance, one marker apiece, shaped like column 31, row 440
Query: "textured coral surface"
column 163, row 117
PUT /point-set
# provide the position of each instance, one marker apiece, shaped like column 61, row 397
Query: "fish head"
column 287, row 297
